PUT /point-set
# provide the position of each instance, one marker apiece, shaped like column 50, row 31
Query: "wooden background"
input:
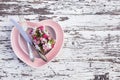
column 91, row 48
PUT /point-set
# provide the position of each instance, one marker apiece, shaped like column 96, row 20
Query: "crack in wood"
column 7, row 59
column 63, row 18
column 102, row 77
column 25, row 74
column 58, row 74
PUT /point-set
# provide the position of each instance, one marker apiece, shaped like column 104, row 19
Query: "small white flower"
column 49, row 46
column 43, row 40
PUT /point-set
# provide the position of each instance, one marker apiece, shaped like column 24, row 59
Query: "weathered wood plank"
column 111, row 7
column 72, row 23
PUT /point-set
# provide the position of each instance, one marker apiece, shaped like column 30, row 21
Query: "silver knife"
column 27, row 39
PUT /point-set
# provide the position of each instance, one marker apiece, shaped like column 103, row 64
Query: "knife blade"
column 27, row 39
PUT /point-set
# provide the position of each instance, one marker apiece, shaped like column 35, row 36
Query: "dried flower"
column 42, row 39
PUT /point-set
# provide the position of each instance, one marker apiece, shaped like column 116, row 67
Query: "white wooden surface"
column 91, row 48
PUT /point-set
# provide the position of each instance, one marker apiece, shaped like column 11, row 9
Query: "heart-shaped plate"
column 19, row 46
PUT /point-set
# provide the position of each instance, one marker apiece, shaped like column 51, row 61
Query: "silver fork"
column 30, row 52
column 31, row 55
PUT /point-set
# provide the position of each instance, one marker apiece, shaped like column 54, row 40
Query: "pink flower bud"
column 41, row 28
column 45, row 36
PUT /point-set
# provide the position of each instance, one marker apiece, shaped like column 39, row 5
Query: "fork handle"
column 30, row 52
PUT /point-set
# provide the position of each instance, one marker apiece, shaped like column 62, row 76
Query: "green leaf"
column 51, row 41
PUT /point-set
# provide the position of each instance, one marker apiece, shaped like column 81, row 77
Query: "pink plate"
column 20, row 50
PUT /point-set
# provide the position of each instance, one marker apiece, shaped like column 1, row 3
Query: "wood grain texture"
column 91, row 49
column 87, row 7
